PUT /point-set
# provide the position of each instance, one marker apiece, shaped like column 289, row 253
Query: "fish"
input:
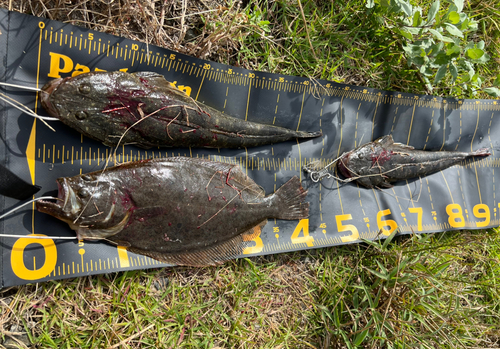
column 178, row 210
column 144, row 109
column 383, row 162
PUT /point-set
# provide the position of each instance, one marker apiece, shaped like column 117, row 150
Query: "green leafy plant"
column 440, row 45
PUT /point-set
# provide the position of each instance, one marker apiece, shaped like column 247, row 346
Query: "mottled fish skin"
column 178, row 210
column 103, row 105
column 382, row 162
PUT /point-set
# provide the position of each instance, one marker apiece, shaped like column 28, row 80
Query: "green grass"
column 423, row 291
column 426, row 290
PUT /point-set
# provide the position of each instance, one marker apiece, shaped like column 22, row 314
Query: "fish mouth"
column 46, row 93
column 66, row 206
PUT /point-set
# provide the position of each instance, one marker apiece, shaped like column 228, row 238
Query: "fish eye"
column 83, row 193
column 81, row 115
column 84, row 88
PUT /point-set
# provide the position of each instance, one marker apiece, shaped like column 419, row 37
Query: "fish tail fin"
column 305, row 134
column 481, row 152
column 289, row 199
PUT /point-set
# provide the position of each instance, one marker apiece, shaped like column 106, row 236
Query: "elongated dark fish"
column 382, row 162
column 103, row 105
column 180, row 210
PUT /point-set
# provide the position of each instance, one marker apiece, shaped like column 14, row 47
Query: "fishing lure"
column 383, row 162
column 183, row 211
column 146, row 110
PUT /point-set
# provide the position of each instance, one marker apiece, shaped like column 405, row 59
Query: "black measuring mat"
column 36, row 50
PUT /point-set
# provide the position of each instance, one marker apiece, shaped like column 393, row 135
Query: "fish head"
column 94, row 208
column 96, row 104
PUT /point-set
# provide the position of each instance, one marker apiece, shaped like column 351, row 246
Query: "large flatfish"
column 181, row 210
column 146, row 110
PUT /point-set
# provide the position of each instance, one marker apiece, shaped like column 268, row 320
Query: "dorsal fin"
column 213, row 255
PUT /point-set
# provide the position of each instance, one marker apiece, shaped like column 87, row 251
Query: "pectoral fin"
column 149, row 74
column 159, row 81
column 388, row 141
column 385, row 141
column 404, row 146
